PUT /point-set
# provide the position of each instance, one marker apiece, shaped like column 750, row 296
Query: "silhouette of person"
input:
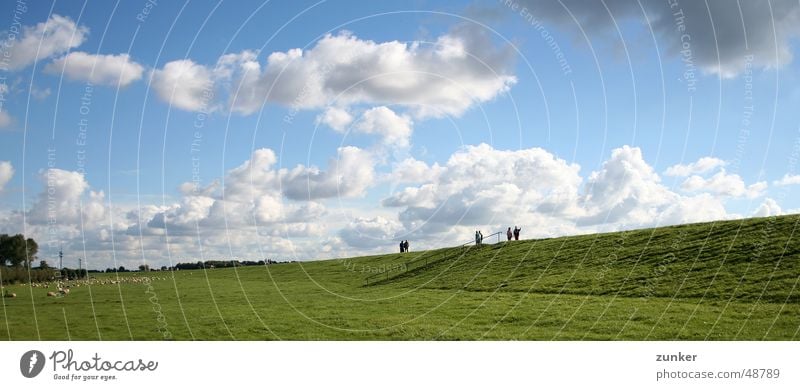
column 508, row 232
column 477, row 238
column 402, row 247
column 516, row 232
column 405, row 246
column 480, row 233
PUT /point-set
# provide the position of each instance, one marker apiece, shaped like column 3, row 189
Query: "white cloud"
column 460, row 69
column 194, row 87
column 787, row 180
column 61, row 201
column 185, row 85
column 700, row 208
column 248, row 216
column 105, row 69
column 626, row 186
column 6, row 173
column 257, row 195
column 481, row 187
column 627, row 193
column 229, row 65
column 56, row 36
column 280, row 213
column 394, row 130
column 371, row 232
column 413, row 171
column 768, row 208
column 480, row 184
column 348, row 175
column 703, row 165
column 724, row 184
column 335, row 118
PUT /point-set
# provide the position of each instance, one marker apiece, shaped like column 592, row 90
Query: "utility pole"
column 60, row 258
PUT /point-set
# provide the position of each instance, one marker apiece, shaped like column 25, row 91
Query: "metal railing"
column 419, row 262
column 498, row 234
column 409, row 266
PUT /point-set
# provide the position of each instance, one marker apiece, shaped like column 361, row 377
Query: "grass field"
column 733, row 280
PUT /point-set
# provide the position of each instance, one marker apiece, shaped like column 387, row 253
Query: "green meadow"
column 731, row 280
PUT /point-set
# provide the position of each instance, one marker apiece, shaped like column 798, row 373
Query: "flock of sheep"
column 63, row 288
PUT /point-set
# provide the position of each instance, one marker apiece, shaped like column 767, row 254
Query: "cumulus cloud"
column 249, row 209
column 6, row 173
column 47, row 39
column 259, row 209
column 349, row 174
column 412, row 171
column 256, row 194
column 190, row 86
column 700, row 208
column 185, row 85
column 480, row 184
column 459, row 69
column 371, row 232
column 720, row 36
column 394, row 130
column 230, row 65
column 724, row 184
column 484, row 187
column 445, row 77
column 101, row 69
column 625, row 186
column 768, row 208
column 787, row 180
column 627, row 193
column 703, row 165
column 336, row 118
column 63, row 202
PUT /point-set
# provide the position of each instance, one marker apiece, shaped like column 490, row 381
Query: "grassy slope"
column 724, row 280
column 749, row 260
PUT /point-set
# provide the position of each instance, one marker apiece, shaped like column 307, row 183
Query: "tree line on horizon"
column 17, row 255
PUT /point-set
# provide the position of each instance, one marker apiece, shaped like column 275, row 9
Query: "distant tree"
column 163, row 267
column 17, row 250
column 144, row 267
column 121, row 269
column 43, row 264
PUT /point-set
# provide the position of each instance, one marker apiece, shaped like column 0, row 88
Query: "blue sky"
column 300, row 130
